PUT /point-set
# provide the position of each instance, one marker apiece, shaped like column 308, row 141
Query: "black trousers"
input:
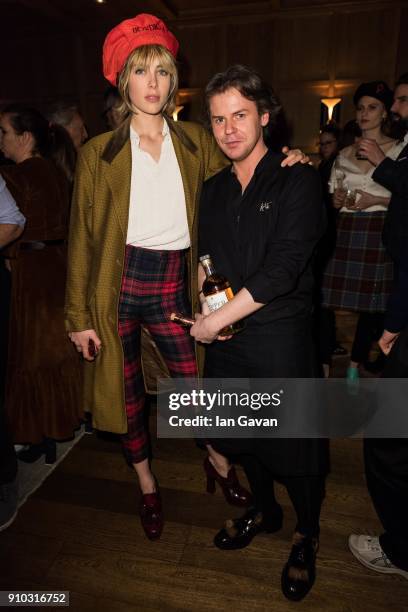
column 8, row 461
column 301, row 465
column 369, row 329
column 326, row 333
column 306, row 494
column 386, row 465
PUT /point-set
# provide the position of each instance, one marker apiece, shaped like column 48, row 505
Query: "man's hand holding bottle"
column 205, row 331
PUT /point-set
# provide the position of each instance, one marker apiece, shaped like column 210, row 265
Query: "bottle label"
column 217, row 300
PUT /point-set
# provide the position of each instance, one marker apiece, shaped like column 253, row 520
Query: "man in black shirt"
column 386, row 461
column 260, row 223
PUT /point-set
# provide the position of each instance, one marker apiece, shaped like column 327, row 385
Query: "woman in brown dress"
column 43, row 378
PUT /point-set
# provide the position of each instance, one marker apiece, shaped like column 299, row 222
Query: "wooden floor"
column 80, row 533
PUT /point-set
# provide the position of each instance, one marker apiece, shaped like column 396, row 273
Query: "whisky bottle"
column 217, row 292
column 181, row 319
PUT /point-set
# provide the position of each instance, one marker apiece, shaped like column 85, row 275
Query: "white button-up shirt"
column 157, row 212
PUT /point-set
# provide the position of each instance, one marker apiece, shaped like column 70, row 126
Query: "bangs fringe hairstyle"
column 250, row 85
column 141, row 57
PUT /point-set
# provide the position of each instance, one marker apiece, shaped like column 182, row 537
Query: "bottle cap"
column 203, row 257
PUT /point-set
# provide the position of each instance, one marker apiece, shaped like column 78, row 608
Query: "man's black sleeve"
column 393, row 175
column 396, row 317
column 300, row 226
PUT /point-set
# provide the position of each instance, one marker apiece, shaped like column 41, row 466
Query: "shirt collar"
column 134, row 136
column 270, row 159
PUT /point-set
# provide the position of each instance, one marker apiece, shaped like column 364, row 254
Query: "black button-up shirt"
column 263, row 239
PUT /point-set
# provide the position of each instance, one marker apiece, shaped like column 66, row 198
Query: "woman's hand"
column 366, row 200
column 339, row 197
column 369, row 148
column 81, row 340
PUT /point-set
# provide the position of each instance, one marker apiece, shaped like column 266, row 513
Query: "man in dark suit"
column 386, row 460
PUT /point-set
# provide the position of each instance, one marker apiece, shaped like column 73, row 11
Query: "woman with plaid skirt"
column 132, row 242
column 359, row 275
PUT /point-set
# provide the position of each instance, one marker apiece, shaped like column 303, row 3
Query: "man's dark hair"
column 402, row 80
column 333, row 130
column 250, row 85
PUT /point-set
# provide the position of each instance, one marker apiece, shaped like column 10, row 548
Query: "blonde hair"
column 143, row 56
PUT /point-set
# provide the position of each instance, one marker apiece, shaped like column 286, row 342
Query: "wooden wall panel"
column 41, row 70
column 202, row 53
column 365, row 44
column 402, row 53
column 91, row 82
column 302, row 109
column 252, row 44
column 302, row 49
column 304, row 53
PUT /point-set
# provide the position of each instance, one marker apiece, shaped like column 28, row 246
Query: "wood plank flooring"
column 80, row 532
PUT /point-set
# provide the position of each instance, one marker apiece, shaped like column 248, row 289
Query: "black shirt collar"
column 270, row 161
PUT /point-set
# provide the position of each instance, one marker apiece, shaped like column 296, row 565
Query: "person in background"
column 329, row 139
column 65, row 150
column 325, row 318
column 11, row 220
column 69, row 117
column 112, row 103
column 11, row 227
column 349, row 134
column 359, row 275
column 42, row 397
column 386, row 460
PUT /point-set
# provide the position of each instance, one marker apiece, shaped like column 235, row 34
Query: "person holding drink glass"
column 359, row 275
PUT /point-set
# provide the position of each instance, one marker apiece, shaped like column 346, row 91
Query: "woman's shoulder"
column 193, row 130
column 26, row 170
column 191, row 127
column 346, row 160
column 97, row 143
column 347, row 152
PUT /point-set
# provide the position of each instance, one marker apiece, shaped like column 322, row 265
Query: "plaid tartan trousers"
column 153, row 286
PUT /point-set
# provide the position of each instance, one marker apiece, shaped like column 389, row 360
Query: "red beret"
column 143, row 29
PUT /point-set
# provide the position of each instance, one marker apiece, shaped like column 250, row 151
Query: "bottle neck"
column 208, row 267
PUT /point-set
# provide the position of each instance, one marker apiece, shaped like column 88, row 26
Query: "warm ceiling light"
column 100, row 1
column 330, row 103
column 176, row 112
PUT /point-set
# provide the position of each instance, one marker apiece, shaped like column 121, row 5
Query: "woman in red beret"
column 132, row 245
column 359, row 275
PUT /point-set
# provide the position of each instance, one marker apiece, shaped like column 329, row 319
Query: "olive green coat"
column 97, row 241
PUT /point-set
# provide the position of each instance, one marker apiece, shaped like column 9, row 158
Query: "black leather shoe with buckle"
column 299, row 573
column 238, row 533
